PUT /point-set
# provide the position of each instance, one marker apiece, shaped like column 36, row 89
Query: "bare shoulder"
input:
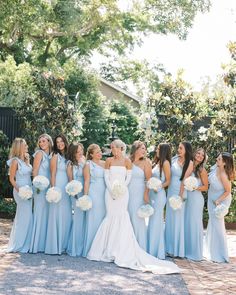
column 166, row 164
column 128, row 163
column 147, row 163
column 38, row 155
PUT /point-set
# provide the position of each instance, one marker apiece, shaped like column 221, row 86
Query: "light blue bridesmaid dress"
column 193, row 224
column 95, row 215
column 216, row 238
column 137, row 187
column 174, row 227
column 22, row 227
column 41, row 205
column 156, row 240
column 76, row 240
column 60, row 214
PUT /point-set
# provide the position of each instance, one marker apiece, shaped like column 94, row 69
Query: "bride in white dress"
column 115, row 240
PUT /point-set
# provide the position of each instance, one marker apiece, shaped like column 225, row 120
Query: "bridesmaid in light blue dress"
column 60, row 214
column 194, row 209
column 161, row 170
column 138, row 192
column 20, row 175
column 94, row 186
column 181, row 168
column 75, row 172
column 219, row 193
column 41, row 167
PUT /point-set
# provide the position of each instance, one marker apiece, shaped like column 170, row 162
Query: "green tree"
column 37, row 30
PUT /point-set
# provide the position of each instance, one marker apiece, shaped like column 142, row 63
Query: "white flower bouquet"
column 118, row 189
column 74, row 187
column 154, row 183
column 221, row 210
column 84, row 203
column 145, row 211
column 53, row 195
column 40, row 182
column 176, row 202
column 25, row 192
column 190, row 183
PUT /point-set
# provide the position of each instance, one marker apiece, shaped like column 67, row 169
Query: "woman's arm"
column 188, row 172
column 69, row 171
column 12, row 174
column 37, row 160
column 204, row 179
column 148, row 175
column 167, row 172
column 227, row 186
column 86, row 178
column 53, row 169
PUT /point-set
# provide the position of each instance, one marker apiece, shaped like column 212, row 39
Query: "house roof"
column 118, row 88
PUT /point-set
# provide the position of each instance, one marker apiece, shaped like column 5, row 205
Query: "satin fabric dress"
column 136, row 193
column 60, row 214
column 40, row 210
column 156, row 239
column 21, row 231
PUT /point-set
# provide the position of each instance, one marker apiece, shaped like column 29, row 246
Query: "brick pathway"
column 198, row 277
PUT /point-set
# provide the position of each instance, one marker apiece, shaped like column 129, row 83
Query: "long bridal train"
column 115, row 240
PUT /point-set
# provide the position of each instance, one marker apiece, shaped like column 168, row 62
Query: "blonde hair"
column 91, row 148
column 17, row 148
column 119, row 144
column 48, row 137
column 135, row 146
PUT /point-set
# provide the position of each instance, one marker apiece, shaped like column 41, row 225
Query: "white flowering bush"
column 84, row 203
column 145, row 211
column 191, row 183
column 53, row 195
column 118, row 189
column 221, row 210
column 25, row 192
column 154, row 183
column 74, row 187
column 40, row 182
column 176, row 202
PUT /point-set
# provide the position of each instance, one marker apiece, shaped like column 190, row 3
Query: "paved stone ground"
column 52, row 274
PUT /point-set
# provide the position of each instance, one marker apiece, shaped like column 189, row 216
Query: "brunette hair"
column 164, row 154
column 135, row 146
column 55, row 148
column 200, row 166
column 188, row 157
column 72, row 152
column 229, row 165
column 91, row 148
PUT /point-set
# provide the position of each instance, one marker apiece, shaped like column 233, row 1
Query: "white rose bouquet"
column 118, row 189
column 73, row 188
column 40, row 182
column 84, row 203
column 190, row 183
column 154, row 183
column 53, row 195
column 145, row 211
column 25, row 192
column 175, row 202
column 221, row 210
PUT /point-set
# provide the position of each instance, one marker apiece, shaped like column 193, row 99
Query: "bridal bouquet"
column 175, row 202
column 154, row 183
column 53, row 194
column 40, row 182
column 190, row 183
column 145, row 211
column 118, row 189
column 74, row 187
column 220, row 211
column 25, row 192
column 84, row 203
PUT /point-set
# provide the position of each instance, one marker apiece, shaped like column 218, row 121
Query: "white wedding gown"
column 115, row 240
